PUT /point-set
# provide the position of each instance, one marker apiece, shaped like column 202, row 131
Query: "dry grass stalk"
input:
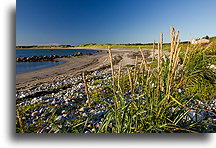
column 159, row 58
column 172, row 35
column 141, row 70
column 175, row 61
column 130, row 80
column 143, row 64
column 160, row 46
column 135, row 68
column 86, row 89
column 153, row 51
column 174, row 45
column 186, row 54
column 147, row 79
column 172, row 56
column 135, row 72
column 176, row 37
column 176, row 50
column 161, row 42
column 111, row 64
column 143, row 58
column 119, row 76
column 20, row 121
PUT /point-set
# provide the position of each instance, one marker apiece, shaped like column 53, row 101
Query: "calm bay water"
column 46, row 52
column 22, row 67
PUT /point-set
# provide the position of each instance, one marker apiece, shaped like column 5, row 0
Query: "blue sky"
column 41, row 22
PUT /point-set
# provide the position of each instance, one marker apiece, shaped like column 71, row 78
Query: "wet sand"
column 76, row 65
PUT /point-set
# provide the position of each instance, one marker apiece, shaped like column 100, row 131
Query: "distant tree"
column 206, row 37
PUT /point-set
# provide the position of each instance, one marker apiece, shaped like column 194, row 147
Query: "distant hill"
column 38, row 47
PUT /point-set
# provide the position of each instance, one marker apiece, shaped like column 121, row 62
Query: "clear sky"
column 42, row 22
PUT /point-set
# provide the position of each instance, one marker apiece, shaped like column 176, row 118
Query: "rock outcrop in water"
column 47, row 58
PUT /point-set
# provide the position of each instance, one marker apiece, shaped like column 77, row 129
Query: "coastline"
column 74, row 66
column 58, row 99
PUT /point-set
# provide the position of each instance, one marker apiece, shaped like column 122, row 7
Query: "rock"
column 43, row 115
column 197, row 116
column 212, row 67
column 93, row 130
column 59, row 119
column 97, row 125
column 64, row 115
column 41, row 110
column 92, row 111
column 63, row 112
column 84, row 115
column 36, row 113
column 78, row 54
column 81, row 109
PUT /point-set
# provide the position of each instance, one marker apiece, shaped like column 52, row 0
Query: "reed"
column 153, row 51
column 86, row 90
column 119, row 76
column 173, row 59
column 20, row 121
column 135, row 77
column 130, row 80
column 160, row 54
column 154, row 113
column 143, row 59
column 111, row 64
column 185, row 56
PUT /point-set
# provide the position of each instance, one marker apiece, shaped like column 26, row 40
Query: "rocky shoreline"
column 48, row 58
column 66, row 105
column 59, row 105
column 59, row 110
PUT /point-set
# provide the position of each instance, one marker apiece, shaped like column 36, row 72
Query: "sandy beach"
column 76, row 65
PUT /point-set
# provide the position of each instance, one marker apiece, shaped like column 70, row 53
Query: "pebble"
column 59, row 119
column 81, row 109
column 36, row 113
column 66, row 103
column 84, row 115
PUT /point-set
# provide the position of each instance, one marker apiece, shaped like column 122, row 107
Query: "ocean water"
column 22, row 67
column 46, row 52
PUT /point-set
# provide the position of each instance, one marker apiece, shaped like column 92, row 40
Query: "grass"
column 154, row 96
column 132, row 46
column 162, row 107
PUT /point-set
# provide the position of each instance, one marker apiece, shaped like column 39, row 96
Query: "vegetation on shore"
column 44, row 47
column 161, row 96
column 157, row 95
column 94, row 45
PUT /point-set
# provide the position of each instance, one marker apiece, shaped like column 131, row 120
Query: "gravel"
column 67, row 105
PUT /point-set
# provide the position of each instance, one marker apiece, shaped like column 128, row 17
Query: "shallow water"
column 47, row 52
column 22, row 67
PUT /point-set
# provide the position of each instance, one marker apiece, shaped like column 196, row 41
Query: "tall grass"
column 160, row 105
column 86, row 90
column 153, row 96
